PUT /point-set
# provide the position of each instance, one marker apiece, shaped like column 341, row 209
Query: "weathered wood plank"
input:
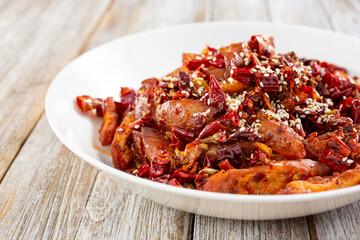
column 305, row 12
column 56, row 38
column 230, row 10
column 46, row 188
column 341, row 223
column 216, row 228
column 344, row 15
column 131, row 16
column 113, row 212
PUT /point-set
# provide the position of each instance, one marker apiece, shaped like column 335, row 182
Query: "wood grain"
column 131, row 16
column 46, row 188
column 231, row 10
column 214, row 228
column 341, row 223
column 113, row 211
column 57, row 36
column 344, row 15
column 305, row 12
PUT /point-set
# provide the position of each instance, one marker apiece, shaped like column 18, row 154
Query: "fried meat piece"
column 264, row 179
column 121, row 152
column 282, row 139
column 347, row 178
column 190, row 115
column 111, row 121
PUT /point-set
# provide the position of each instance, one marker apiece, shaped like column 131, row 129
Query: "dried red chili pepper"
column 257, row 156
column 345, row 105
column 308, row 90
column 202, row 73
column 218, row 58
column 127, row 100
column 268, row 81
column 162, row 179
column 264, row 45
column 160, row 165
column 335, row 154
column 135, row 125
column 243, row 75
column 255, row 60
column 183, row 134
column 193, row 61
column 210, row 129
column 208, row 163
column 177, row 142
column 87, row 103
column 183, row 176
column 216, row 95
column 174, row 182
column 332, row 67
column 355, row 111
column 225, row 165
column 231, row 118
column 316, row 69
column 233, row 154
column 144, row 170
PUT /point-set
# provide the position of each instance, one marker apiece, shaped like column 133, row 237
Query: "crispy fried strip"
column 121, row 153
column 266, row 179
column 111, row 121
column 347, row 178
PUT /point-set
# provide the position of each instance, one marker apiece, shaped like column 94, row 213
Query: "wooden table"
column 47, row 192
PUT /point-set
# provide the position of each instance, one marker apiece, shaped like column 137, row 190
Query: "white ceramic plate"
column 127, row 61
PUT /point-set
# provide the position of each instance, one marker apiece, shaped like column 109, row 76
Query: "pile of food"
column 238, row 119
